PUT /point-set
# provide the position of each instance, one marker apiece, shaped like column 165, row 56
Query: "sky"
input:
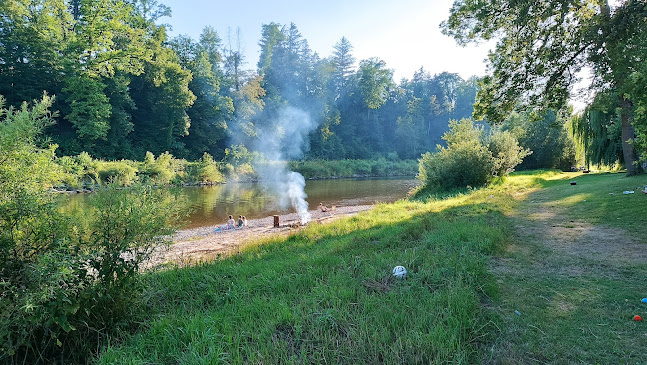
column 404, row 33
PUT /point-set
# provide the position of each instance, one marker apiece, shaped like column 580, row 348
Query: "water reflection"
column 212, row 204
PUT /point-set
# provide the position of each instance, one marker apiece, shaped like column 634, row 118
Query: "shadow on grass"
column 565, row 273
column 327, row 294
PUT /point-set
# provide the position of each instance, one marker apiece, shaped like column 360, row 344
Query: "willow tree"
column 541, row 47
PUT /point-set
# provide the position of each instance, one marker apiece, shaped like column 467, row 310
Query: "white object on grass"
column 628, row 192
column 400, row 272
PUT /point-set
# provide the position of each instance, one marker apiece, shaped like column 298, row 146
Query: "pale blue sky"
column 404, row 33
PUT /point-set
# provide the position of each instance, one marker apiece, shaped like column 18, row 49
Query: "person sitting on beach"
column 244, row 221
column 322, row 207
column 230, row 223
column 240, row 222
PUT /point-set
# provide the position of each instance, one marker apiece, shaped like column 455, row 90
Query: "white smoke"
column 285, row 140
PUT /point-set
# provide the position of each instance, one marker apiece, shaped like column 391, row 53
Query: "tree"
column 233, row 62
column 598, row 131
column 542, row 45
column 32, row 58
column 162, row 96
column 374, row 82
column 343, row 63
column 271, row 35
column 547, row 137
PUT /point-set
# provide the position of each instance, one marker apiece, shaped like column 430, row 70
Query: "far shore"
column 205, row 243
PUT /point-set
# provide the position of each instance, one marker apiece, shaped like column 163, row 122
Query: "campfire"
column 277, row 223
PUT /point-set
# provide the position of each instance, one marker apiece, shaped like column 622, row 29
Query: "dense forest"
column 122, row 87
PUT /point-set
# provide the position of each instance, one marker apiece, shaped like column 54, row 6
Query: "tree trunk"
column 630, row 157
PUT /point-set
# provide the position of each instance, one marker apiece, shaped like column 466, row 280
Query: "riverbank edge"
column 89, row 189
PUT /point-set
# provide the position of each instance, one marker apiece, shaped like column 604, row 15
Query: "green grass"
column 575, row 272
column 326, row 295
column 597, row 198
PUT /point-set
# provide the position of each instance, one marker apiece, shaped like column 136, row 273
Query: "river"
column 212, row 204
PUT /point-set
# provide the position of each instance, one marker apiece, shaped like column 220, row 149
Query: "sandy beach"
column 205, row 243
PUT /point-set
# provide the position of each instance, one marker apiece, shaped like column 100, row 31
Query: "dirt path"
column 568, row 291
column 205, row 243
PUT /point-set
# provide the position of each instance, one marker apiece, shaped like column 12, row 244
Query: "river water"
column 212, row 204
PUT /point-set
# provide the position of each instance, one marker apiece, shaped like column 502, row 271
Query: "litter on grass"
column 400, row 272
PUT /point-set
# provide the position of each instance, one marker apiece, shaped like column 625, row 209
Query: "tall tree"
column 32, row 52
column 211, row 110
column 234, row 60
column 271, row 36
column 343, row 63
column 541, row 47
column 374, row 81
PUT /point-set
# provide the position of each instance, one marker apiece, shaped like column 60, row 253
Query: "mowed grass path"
column 576, row 271
column 326, row 294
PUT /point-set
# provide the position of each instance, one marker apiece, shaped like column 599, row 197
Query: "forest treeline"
column 123, row 87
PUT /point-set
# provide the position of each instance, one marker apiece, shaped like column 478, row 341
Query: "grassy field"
column 326, row 294
column 575, row 269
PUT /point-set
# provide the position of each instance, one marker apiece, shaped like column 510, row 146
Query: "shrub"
column 119, row 172
column 73, row 172
column 506, row 152
column 462, row 164
column 312, row 169
column 89, row 168
column 471, row 158
column 381, row 167
column 67, row 280
column 160, row 171
column 207, row 170
column 347, row 168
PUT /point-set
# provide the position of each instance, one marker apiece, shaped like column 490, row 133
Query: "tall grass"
column 327, row 294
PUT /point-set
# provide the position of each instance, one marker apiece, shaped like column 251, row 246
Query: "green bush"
column 89, row 168
column 506, row 152
column 381, row 167
column 119, row 172
column 471, row 158
column 67, row 279
column 464, row 164
column 207, row 170
column 73, row 171
column 160, row 171
column 317, row 169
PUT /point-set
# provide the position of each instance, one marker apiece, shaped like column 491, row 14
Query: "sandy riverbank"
column 205, row 243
